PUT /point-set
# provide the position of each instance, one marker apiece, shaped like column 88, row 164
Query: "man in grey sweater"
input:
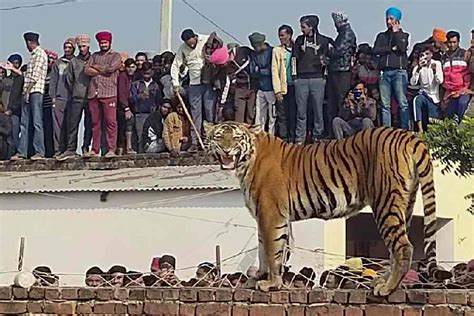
column 77, row 83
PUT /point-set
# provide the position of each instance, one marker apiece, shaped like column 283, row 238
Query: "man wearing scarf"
column 310, row 52
column 339, row 77
column 60, row 95
column 391, row 49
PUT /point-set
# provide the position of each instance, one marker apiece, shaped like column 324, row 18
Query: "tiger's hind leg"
column 274, row 233
column 390, row 218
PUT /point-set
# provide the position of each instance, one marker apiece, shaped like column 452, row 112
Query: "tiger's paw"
column 382, row 289
column 267, row 285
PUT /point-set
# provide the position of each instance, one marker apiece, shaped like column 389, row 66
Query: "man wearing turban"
column 391, row 49
column 103, row 68
column 60, row 95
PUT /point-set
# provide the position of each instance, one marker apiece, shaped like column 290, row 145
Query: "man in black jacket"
column 340, row 57
column 391, row 49
column 311, row 49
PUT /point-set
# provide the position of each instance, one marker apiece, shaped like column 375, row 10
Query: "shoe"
column 193, row 148
column 110, row 154
column 57, row 154
column 16, row 158
column 84, row 150
column 66, row 155
column 90, row 154
column 37, row 157
column 130, row 152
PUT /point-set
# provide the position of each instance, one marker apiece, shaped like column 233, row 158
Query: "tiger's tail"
column 424, row 167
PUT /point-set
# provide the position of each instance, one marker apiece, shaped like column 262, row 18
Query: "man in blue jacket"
column 391, row 49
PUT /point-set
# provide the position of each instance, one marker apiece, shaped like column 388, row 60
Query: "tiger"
column 283, row 183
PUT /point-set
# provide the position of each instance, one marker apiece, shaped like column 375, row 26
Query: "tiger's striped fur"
column 381, row 168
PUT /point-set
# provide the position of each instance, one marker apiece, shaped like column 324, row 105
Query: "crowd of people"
column 304, row 90
column 353, row 273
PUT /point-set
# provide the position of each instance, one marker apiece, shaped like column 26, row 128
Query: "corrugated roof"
column 132, row 179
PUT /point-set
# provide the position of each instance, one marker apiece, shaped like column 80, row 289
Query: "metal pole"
column 198, row 132
column 165, row 25
column 218, row 261
column 21, row 254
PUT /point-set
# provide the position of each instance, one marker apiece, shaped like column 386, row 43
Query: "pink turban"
column 220, row 56
column 104, row 36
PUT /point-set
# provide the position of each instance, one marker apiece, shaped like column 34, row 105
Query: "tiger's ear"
column 256, row 129
column 208, row 127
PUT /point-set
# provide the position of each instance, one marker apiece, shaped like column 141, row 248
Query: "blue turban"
column 15, row 57
column 395, row 12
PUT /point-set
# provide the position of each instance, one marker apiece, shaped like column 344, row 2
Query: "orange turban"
column 439, row 35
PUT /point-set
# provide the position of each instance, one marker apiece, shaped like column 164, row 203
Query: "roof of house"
column 129, row 179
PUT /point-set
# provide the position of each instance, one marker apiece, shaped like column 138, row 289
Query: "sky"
column 135, row 24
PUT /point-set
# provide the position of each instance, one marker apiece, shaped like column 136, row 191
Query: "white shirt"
column 193, row 59
column 428, row 81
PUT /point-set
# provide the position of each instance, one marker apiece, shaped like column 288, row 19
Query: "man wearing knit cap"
column 32, row 106
column 391, row 49
column 103, row 67
column 60, row 95
column 261, row 70
column 77, row 83
column 340, row 58
column 310, row 52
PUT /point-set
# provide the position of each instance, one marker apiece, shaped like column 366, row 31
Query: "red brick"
column 412, row 311
column 224, row 295
column 299, row 296
column 12, row 307
column 86, row 293
column 69, row 293
column 161, row 308
column 136, row 294
column 242, row 295
column 20, row 293
column 439, row 311
column 68, row 308
column 84, row 308
column 188, row 295
column 154, row 294
column 354, row 311
column 295, row 310
column 319, row 296
column 240, row 310
column 120, row 308
column 436, row 297
column 416, row 296
column 170, row 294
column 221, row 309
column 5, row 292
column 52, row 294
column 280, row 297
column 187, row 309
column 325, row 310
column 135, row 308
column 267, row 310
column 357, row 297
column 104, row 294
column 385, row 310
column 260, row 297
column 35, row 307
column 399, row 296
column 104, row 307
column 340, row 296
column 206, row 295
column 120, row 294
column 36, row 293
column 457, row 297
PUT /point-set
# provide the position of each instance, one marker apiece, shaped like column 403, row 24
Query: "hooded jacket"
column 344, row 48
column 391, row 50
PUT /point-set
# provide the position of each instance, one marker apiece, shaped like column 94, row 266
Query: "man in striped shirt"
column 31, row 108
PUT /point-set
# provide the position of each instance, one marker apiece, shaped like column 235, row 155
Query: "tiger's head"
column 231, row 143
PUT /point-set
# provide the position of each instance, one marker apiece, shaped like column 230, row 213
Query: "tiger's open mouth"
column 228, row 162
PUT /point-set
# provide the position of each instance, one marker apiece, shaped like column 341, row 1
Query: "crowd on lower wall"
column 304, row 90
column 354, row 273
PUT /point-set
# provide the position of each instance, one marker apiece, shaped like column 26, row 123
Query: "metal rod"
column 21, row 253
column 218, row 261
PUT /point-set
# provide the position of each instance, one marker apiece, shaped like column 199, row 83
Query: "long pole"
column 198, row 132
column 21, row 254
column 218, row 261
column 165, row 25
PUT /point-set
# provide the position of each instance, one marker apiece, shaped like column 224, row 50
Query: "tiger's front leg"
column 274, row 233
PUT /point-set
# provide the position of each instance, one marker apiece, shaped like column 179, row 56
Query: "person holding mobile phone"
column 391, row 49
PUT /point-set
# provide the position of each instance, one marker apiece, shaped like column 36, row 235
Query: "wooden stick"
column 21, row 254
column 218, row 261
column 198, row 132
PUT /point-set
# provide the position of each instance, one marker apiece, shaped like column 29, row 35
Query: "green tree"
column 453, row 145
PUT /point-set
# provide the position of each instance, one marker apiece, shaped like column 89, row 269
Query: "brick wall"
column 97, row 163
column 238, row 302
